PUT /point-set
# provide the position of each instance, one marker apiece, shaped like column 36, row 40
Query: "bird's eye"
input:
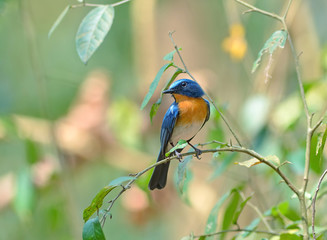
column 184, row 84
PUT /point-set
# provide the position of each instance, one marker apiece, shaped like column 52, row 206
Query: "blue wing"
column 167, row 126
column 160, row 172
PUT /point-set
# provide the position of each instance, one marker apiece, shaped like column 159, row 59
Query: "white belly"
column 185, row 132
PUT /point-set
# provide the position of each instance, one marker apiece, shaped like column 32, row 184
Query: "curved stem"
column 235, row 230
column 314, row 204
column 209, row 98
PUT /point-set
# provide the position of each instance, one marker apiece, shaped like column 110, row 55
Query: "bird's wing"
column 208, row 113
column 168, row 125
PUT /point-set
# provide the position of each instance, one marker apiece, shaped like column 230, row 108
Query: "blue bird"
column 183, row 120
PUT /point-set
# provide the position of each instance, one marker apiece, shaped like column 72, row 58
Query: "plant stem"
column 314, row 204
column 257, row 210
column 255, row 9
column 235, row 230
column 209, row 98
column 119, row 3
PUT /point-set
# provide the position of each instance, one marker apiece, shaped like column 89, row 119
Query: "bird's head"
column 185, row 87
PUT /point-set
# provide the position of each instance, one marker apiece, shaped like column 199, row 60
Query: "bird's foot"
column 198, row 152
column 179, row 156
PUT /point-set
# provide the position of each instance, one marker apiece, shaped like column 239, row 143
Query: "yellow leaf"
column 249, row 163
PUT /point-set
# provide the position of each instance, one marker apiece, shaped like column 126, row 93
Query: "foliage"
column 63, row 137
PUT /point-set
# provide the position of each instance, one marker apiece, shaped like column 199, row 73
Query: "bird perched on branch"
column 183, row 120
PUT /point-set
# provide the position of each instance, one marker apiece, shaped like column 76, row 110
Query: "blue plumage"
column 184, row 118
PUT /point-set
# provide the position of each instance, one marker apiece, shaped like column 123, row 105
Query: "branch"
column 235, row 230
column 228, row 148
column 119, row 3
column 255, row 9
column 84, row 4
column 314, row 203
column 257, row 210
column 209, row 98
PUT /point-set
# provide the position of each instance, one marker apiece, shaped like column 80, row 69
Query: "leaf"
column 59, row 20
column 277, row 39
column 228, row 159
column 183, row 173
column 32, row 151
column 97, row 202
column 180, row 145
column 211, row 225
column 156, row 105
column 253, row 225
column 240, row 209
column 25, row 197
column 289, row 236
column 170, row 56
column 249, row 163
column 98, row 199
column 274, row 159
column 321, row 143
column 229, row 212
column 92, row 30
column 154, row 84
column 118, row 181
column 92, row 230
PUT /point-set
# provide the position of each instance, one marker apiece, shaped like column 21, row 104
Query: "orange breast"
column 191, row 110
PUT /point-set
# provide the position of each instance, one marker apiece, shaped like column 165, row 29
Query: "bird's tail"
column 159, row 175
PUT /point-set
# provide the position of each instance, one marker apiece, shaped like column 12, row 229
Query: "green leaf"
column 229, row 212
column 170, row 56
column 289, row 236
column 97, row 202
column 211, row 225
column 183, row 173
column 154, row 84
column 92, row 30
column 285, row 209
column 277, row 39
column 321, row 144
column 32, row 151
column 180, row 145
column 156, row 105
column 92, row 230
column 203, row 238
column 24, row 201
column 240, row 209
column 118, row 181
column 59, row 20
column 98, row 199
column 228, row 159
column 253, row 225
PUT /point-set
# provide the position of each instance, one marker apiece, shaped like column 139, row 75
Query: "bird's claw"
column 198, row 152
column 179, row 156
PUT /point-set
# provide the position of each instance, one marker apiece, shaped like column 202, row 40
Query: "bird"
column 182, row 121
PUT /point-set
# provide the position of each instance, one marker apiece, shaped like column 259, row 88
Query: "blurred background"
column 68, row 129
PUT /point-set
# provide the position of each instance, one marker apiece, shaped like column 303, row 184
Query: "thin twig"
column 287, row 9
column 84, row 4
column 314, row 204
column 255, row 9
column 119, row 3
column 235, row 230
column 209, row 98
column 257, row 210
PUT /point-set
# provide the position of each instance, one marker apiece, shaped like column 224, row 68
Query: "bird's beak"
column 168, row 91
